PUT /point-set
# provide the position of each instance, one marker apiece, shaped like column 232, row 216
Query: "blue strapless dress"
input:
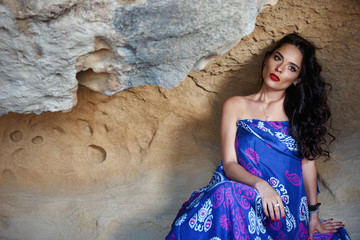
column 230, row 210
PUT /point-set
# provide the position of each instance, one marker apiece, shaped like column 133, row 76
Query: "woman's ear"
column 297, row 81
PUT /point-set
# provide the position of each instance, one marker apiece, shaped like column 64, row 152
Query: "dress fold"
column 226, row 209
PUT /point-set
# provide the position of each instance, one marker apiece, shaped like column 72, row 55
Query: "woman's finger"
column 333, row 225
column 265, row 209
column 328, row 220
column 329, row 231
column 311, row 234
column 282, row 209
column 277, row 211
column 271, row 211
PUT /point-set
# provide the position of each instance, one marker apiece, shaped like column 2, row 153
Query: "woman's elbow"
column 228, row 169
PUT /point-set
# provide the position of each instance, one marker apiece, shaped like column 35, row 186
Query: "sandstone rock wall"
column 47, row 47
column 119, row 167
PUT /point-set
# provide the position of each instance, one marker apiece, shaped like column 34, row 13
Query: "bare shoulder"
column 236, row 105
column 239, row 101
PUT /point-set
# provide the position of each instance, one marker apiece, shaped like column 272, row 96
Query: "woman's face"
column 282, row 68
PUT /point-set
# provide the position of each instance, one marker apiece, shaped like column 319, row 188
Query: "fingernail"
column 283, row 217
column 273, row 220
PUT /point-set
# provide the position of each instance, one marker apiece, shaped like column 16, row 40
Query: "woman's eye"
column 292, row 69
column 277, row 58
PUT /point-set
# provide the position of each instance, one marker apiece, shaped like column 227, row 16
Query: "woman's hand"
column 271, row 201
column 327, row 226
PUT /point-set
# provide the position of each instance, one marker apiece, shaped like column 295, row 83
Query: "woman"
column 266, row 186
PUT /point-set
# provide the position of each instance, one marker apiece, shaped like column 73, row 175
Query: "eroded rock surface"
column 47, row 47
column 120, row 167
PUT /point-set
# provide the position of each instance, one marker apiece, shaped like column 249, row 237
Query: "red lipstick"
column 274, row 77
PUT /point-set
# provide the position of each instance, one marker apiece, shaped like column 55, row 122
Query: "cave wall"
column 48, row 47
column 120, row 166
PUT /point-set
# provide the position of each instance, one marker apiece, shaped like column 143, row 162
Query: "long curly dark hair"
column 306, row 103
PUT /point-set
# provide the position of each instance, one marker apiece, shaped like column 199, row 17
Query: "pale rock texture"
column 47, row 47
column 120, row 166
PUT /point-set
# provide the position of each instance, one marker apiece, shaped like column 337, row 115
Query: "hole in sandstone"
column 94, row 81
column 16, row 136
column 37, row 140
column 57, row 131
column 96, row 154
column 19, row 151
column 85, row 127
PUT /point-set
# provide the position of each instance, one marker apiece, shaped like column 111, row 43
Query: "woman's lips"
column 274, row 77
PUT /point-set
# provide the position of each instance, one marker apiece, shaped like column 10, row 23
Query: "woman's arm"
column 310, row 184
column 232, row 168
column 234, row 171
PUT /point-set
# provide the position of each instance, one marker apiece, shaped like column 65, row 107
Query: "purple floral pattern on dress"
column 285, row 130
column 255, row 172
column 252, row 155
column 248, row 167
column 219, row 196
column 281, row 236
column 276, row 125
column 293, row 178
column 230, row 210
column 276, row 225
column 243, row 194
column 239, row 224
column 229, row 199
column 322, row 237
column 225, row 222
column 303, row 232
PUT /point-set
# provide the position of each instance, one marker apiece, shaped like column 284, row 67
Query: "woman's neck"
column 266, row 96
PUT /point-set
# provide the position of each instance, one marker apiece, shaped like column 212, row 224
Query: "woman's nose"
column 279, row 67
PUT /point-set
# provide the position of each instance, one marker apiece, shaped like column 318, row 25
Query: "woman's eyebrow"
column 295, row 65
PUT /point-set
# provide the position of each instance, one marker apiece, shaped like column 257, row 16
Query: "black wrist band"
column 314, row 207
